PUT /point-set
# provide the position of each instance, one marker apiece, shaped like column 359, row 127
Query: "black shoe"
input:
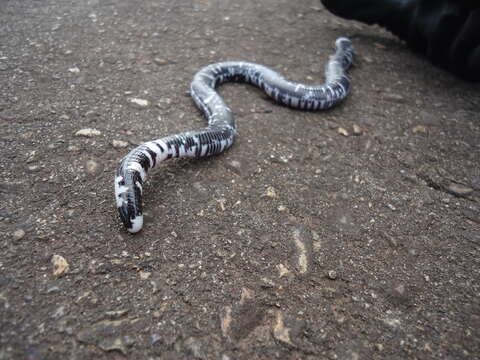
column 446, row 31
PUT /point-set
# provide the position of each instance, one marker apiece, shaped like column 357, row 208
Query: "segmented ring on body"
column 220, row 132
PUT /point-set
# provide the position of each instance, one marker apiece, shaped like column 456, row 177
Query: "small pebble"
column 459, row 189
column 119, row 144
column 18, row 234
column 74, row 70
column 60, row 265
column 139, row 102
column 357, row 130
column 59, row 312
column 87, row 132
column 235, row 166
column 31, row 156
column 53, row 146
column 115, row 314
column 161, row 62
column 155, row 338
column 280, row 331
column 332, row 274
column 145, row 275
column 267, row 283
column 53, row 289
column 342, row 131
column 271, row 193
column 73, row 148
column 419, row 129
column 164, row 103
column 282, row 270
column 394, row 97
column 91, row 166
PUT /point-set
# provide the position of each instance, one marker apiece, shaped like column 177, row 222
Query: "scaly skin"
column 220, row 132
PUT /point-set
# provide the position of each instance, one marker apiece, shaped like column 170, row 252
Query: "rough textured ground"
column 347, row 234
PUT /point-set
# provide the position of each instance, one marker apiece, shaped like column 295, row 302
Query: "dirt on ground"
column 352, row 233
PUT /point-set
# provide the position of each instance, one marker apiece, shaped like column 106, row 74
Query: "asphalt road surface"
column 352, row 233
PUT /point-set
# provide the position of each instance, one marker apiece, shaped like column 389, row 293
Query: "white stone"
column 139, row 102
column 87, row 132
column 119, row 144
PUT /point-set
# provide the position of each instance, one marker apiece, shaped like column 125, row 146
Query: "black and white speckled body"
column 220, row 132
